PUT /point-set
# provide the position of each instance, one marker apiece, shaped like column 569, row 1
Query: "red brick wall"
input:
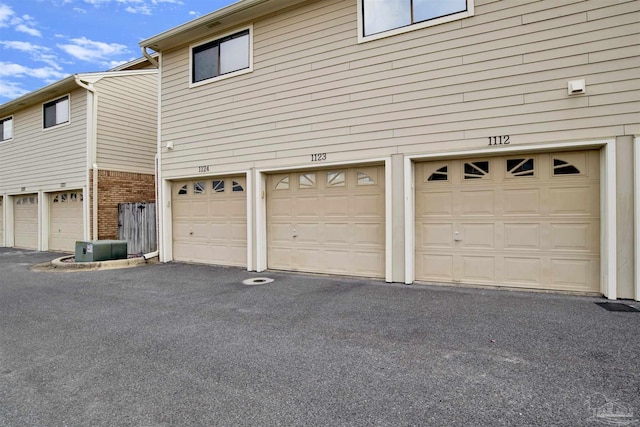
column 118, row 187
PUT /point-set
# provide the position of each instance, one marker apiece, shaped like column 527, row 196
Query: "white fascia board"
column 95, row 77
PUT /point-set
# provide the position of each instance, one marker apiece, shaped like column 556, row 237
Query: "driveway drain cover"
column 257, row 281
column 616, row 306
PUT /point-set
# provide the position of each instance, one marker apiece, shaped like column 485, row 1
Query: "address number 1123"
column 318, row 157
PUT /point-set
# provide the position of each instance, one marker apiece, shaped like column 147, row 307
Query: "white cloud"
column 5, row 15
column 8, row 69
column 194, row 13
column 36, row 52
column 11, row 90
column 142, row 9
column 31, row 31
column 93, row 51
column 24, row 24
column 79, row 10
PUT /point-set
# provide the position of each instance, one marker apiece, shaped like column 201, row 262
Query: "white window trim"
column 224, row 76
column 44, row 129
column 13, row 129
column 420, row 25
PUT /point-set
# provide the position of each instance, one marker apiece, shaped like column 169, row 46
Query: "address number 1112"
column 500, row 140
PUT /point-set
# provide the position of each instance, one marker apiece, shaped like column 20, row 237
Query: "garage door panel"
column 367, row 234
column 477, row 235
column 281, row 232
column 367, row 205
column 570, row 273
column 336, row 233
column 309, row 232
column 575, row 237
column 307, row 206
column 477, row 203
column 478, row 269
column 209, row 221
column 522, row 270
column 522, row 201
column 436, row 204
column 571, row 201
column 335, row 214
column 436, row 267
column 522, row 236
column 543, row 231
column 280, row 257
column 367, row 263
column 281, row 207
column 436, row 235
column 336, row 206
column 309, row 258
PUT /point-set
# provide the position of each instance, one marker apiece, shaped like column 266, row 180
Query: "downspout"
column 156, row 253
column 92, row 130
column 151, row 59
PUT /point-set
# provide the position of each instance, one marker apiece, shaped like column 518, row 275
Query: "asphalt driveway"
column 176, row 345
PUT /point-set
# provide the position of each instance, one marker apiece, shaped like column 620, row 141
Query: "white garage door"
column 66, row 220
column 25, row 224
column 525, row 221
column 327, row 221
column 1, row 222
column 210, row 221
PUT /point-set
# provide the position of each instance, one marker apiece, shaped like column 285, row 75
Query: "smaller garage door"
column 1, row 222
column 327, row 221
column 66, row 224
column 25, row 213
column 210, row 221
column 525, row 220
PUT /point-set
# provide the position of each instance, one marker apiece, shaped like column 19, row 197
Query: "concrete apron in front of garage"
column 66, row 263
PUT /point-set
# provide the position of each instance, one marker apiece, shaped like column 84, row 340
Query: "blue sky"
column 43, row 41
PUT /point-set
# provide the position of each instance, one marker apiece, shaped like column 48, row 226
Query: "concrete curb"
column 60, row 264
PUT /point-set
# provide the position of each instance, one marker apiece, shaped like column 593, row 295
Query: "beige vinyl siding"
column 127, row 123
column 503, row 71
column 44, row 160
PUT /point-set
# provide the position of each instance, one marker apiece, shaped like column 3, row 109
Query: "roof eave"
column 38, row 96
column 239, row 11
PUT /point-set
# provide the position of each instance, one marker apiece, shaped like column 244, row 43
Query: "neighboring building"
column 55, row 141
column 490, row 142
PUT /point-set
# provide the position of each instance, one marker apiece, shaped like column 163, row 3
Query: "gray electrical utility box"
column 101, row 250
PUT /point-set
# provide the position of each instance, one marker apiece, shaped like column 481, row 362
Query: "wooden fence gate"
column 137, row 225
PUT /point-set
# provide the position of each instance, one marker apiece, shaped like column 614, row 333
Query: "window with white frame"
column 6, row 129
column 56, row 112
column 221, row 57
column 396, row 16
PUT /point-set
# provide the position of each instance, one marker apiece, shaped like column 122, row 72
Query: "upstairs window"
column 6, row 129
column 56, row 112
column 221, row 57
column 380, row 18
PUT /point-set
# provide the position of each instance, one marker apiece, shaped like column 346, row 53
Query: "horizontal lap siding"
column 503, row 71
column 127, row 123
column 44, row 160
